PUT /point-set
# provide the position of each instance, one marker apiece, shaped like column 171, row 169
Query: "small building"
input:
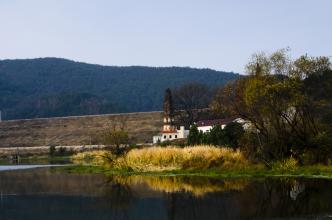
column 207, row 125
column 169, row 131
column 171, row 135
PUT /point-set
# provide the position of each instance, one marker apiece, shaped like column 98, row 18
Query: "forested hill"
column 49, row 87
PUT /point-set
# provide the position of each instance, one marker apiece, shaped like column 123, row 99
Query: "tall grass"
column 173, row 158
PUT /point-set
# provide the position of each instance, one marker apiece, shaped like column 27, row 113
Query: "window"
column 176, row 136
column 164, row 136
column 170, row 136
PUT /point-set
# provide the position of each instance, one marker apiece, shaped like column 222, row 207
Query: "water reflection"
column 49, row 194
column 198, row 186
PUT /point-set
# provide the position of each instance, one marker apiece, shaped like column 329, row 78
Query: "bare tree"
column 115, row 134
column 188, row 99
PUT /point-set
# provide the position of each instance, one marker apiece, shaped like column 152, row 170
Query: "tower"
column 168, row 112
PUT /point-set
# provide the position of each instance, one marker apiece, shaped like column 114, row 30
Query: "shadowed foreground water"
column 45, row 193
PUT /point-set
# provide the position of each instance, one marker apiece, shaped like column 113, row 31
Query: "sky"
column 216, row 34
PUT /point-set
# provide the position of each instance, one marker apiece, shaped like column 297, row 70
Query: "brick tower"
column 168, row 126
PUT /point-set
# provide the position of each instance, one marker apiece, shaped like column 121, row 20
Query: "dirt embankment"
column 80, row 130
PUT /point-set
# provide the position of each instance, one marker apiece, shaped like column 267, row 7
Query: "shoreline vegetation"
column 207, row 161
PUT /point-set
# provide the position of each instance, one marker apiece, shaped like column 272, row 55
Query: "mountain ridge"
column 118, row 66
column 55, row 87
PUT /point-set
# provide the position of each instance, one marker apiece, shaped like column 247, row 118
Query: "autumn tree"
column 275, row 99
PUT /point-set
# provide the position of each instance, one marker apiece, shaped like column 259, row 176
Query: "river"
column 49, row 193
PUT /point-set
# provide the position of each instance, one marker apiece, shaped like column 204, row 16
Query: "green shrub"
column 52, row 151
column 288, row 165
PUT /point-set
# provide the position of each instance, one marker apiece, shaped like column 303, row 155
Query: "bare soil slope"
column 76, row 130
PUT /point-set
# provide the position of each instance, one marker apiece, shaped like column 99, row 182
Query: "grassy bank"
column 305, row 172
column 190, row 161
column 160, row 159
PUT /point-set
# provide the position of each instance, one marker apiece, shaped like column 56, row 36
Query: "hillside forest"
column 50, row 87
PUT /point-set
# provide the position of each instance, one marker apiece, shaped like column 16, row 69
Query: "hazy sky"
column 217, row 34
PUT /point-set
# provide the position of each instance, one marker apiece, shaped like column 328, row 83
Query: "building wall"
column 245, row 125
column 204, row 128
column 208, row 128
column 179, row 134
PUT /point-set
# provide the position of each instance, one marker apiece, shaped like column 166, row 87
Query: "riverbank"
column 324, row 172
column 190, row 161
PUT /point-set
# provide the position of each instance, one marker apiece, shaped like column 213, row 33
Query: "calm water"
column 45, row 193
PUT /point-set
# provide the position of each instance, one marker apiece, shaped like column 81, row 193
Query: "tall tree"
column 275, row 100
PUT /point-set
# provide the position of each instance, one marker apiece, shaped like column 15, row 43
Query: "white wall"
column 204, row 129
column 156, row 139
column 245, row 125
column 181, row 133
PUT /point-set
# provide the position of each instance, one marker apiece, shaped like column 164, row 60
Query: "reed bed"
column 168, row 159
column 174, row 158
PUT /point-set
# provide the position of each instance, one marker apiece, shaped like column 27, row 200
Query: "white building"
column 171, row 135
column 207, row 125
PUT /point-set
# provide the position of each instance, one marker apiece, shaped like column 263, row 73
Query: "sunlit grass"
column 167, row 159
column 174, row 158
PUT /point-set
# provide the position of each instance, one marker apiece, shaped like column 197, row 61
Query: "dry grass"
column 174, row 158
column 80, row 130
column 169, row 158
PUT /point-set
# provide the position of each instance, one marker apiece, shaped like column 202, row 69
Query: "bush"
column 233, row 132
column 229, row 136
column 194, row 136
column 95, row 158
column 52, row 151
column 61, row 151
column 287, row 165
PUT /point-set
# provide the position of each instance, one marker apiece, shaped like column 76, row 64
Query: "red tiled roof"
column 169, row 132
column 214, row 122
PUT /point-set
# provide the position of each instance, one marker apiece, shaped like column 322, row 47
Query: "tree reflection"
column 273, row 198
column 39, row 193
column 206, row 198
column 118, row 195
